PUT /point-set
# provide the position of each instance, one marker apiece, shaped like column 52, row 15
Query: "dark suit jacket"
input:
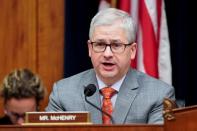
column 5, row 120
column 139, row 99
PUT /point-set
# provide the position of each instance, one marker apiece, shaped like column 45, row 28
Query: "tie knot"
column 108, row 92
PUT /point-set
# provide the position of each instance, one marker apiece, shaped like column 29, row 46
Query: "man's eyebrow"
column 115, row 40
column 100, row 40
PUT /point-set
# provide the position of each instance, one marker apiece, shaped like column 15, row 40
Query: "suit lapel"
column 125, row 98
column 96, row 116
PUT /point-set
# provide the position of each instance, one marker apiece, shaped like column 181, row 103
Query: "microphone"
column 89, row 91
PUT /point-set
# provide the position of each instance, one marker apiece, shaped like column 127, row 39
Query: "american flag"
column 153, row 53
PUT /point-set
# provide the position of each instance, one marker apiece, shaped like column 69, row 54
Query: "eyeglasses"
column 115, row 47
column 15, row 116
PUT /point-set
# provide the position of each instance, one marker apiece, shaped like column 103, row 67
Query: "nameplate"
column 57, row 117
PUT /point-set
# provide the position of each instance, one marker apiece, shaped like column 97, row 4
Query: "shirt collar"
column 115, row 86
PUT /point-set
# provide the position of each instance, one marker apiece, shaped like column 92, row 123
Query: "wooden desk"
column 84, row 128
column 175, row 119
column 182, row 119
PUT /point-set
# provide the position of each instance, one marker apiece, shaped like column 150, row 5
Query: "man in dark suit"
column 138, row 97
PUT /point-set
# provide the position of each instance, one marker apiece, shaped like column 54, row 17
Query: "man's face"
column 111, row 66
column 15, row 109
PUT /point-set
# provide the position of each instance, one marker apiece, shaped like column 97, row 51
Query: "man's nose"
column 20, row 121
column 108, row 52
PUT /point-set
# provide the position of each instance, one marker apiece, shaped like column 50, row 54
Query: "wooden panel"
column 17, row 36
column 32, row 36
column 85, row 128
column 50, row 42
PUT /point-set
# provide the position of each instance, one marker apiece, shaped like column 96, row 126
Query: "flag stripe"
column 150, row 46
column 159, row 5
column 124, row 5
column 164, row 64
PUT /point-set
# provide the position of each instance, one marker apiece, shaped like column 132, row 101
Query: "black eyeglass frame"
column 110, row 45
column 15, row 115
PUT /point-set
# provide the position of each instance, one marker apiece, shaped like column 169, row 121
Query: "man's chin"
column 108, row 74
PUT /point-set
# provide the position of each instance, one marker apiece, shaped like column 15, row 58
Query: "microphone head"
column 90, row 90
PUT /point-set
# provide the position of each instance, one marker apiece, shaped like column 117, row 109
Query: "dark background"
column 181, row 19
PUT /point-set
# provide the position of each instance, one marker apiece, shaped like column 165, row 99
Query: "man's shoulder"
column 152, row 87
column 147, row 80
column 77, row 78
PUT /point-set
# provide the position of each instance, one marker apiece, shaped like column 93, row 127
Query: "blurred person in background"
column 22, row 91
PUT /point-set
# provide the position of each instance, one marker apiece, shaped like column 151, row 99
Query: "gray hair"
column 111, row 15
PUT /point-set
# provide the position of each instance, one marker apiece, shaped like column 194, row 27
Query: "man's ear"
column 88, row 42
column 89, row 48
column 133, row 50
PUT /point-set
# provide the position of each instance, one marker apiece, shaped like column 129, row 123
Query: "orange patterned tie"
column 107, row 93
